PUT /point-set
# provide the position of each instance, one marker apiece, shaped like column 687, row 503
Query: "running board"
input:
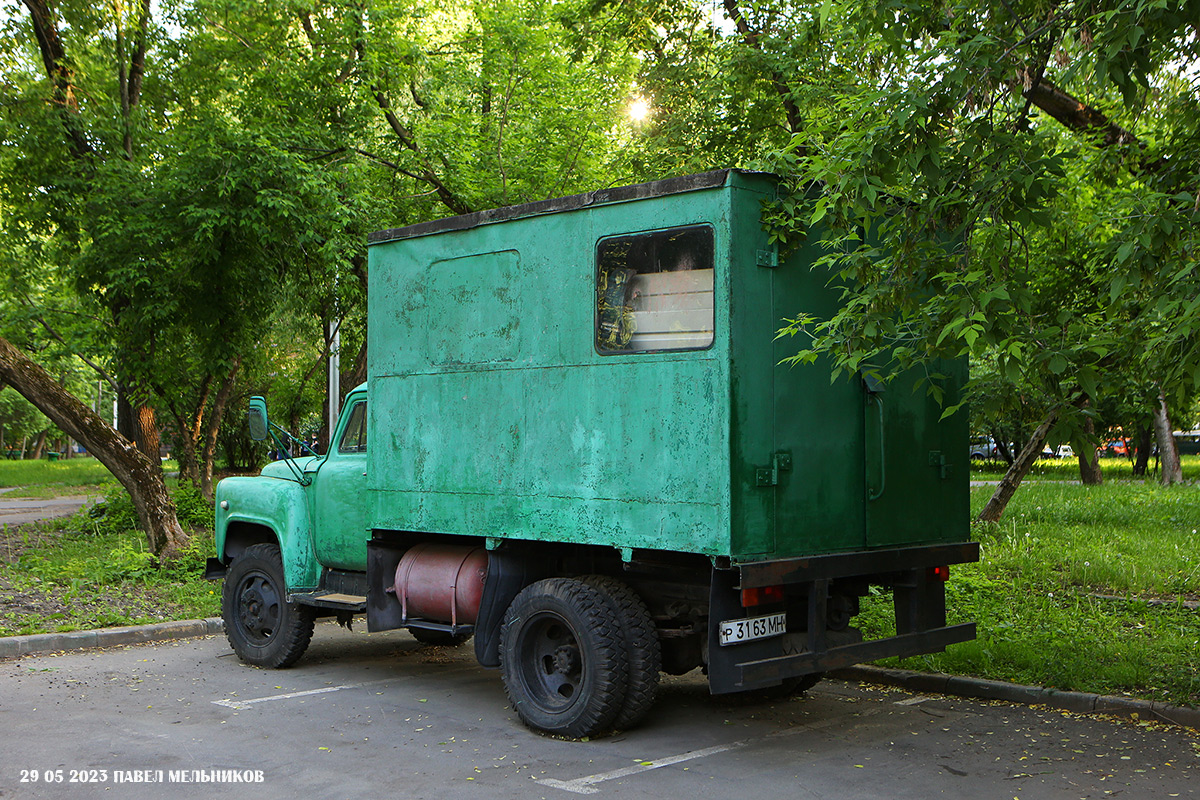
column 336, row 600
column 443, row 627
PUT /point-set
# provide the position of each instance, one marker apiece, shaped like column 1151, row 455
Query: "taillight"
column 939, row 574
column 761, row 595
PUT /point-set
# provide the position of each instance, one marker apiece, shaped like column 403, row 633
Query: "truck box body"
column 498, row 415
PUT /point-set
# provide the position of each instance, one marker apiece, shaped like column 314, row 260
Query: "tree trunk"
column 141, row 476
column 1017, row 472
column 1002, row 448
column 39, row 446
column 214, row 427
column 1142, row 451
column 1172, row 470
column 189, row 462
column 138, row 423
column 1089, row 462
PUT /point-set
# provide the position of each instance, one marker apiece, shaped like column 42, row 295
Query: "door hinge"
column 767, row 258
column 938, row 461
column 769, row 476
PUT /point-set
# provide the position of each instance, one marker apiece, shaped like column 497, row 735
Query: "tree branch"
column 62, row 77
column 752, row 38
column 1082, row 118
column 104, row 376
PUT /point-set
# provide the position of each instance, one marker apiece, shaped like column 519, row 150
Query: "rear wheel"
column 562, row 658
column 642, row 649
column 262, row 627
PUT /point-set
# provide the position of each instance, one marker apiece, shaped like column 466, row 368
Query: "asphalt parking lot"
column 381, row 715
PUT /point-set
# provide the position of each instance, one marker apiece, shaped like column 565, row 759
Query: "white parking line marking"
column 240, row 704
column 587, row 785
column 912, row 701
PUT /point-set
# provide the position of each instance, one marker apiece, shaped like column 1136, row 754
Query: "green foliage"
column 963, row 218
column 1081, row 588
column 102, row 579
column 115, row 514
column 192, row 508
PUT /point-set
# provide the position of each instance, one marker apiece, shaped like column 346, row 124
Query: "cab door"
column 340, row 493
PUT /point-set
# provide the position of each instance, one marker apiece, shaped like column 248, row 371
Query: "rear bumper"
column 809, row 646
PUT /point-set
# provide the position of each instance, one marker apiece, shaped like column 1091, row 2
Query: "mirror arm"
column 301, row 478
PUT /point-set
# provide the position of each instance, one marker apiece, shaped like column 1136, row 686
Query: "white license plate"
column 736, row 631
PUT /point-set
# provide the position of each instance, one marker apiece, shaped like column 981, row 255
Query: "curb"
column 14, row 646
column 982, row 689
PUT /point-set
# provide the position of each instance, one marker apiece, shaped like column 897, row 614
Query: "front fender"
column 280, row 505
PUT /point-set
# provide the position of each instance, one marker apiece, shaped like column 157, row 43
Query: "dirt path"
column 18, row 511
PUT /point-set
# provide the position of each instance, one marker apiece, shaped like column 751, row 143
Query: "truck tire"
column 562, row 658
column 262, row 627
column 642, row 648
column 439, row 638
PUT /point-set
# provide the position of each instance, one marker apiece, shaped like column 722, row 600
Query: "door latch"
column 769, row 476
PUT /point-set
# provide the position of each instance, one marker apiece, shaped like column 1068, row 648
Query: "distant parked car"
column 983, row 448
column 1116, row 447
column 1188, row 442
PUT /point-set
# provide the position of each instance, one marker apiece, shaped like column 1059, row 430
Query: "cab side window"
column 354, row 437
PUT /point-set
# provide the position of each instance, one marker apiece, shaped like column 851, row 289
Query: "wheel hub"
column 252, row 608
column 566, row 660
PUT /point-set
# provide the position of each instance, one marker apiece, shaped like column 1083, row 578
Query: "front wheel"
column 262, row 627
column 563, row 658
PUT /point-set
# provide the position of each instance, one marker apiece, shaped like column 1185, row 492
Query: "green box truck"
column 577, row 444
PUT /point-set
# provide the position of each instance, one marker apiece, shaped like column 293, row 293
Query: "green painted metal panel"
column 819, row 503
column 753, row 325
column 339, row 493
column 274, row 500
column 917, row 467
column 528, row 431
column 493, row 413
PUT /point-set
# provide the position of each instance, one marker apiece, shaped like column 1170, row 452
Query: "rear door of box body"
column 821, row 466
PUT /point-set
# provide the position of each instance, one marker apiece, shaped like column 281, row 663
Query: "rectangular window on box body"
column 654, row 291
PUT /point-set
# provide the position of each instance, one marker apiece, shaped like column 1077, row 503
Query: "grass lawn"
column 41, row 479
column 1085, row 588
column 1067, row 469
column 94, row 570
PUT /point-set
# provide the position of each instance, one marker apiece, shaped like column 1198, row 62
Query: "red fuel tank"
column 441, row 582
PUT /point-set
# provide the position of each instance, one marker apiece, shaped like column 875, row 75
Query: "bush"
column 116, row 514
column 113, row 515
column 193, row 509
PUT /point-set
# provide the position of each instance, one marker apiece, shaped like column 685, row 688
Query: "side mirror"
column 258, row 419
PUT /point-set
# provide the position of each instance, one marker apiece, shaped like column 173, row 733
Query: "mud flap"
column 508, row 573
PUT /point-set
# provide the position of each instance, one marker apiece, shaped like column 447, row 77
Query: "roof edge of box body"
column 641, row 191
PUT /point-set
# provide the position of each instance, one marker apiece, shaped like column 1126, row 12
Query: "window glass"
column 354, row 437
column 654, row 291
